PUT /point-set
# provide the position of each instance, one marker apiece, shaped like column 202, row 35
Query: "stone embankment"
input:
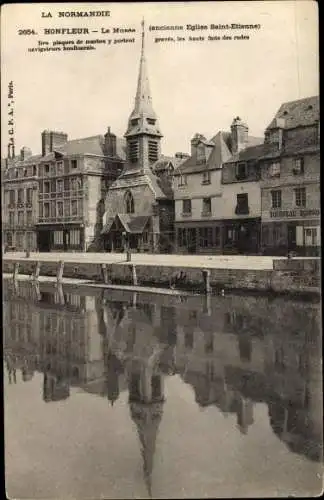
column 286, row 275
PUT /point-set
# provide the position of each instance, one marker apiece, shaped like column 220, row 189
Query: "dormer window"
column 151, row 121
column 134, row 122
column 206, row 177
column 274, row 169
column 241, row 171
column 129, row 203
column 298, row 168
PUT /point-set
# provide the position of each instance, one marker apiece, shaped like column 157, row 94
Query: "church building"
column 139, row 208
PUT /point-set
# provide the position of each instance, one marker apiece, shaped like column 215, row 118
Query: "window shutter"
column 300, row 236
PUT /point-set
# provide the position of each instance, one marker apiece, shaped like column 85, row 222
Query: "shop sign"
column 311, row 212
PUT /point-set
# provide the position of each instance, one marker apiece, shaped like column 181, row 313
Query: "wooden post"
column 15, row 271
column 134, row 275
column 60, row 269
column 105, row 273
column 37, row 290
column 207, row 305
column 134, row 301
column 60, row 294
column 206, row 277
column 36, row 272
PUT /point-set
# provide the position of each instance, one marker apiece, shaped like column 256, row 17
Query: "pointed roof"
column 147, row 418
column 302, row 112
column 143, row 118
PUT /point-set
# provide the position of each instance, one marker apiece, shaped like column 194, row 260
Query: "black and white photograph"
column 161, row 250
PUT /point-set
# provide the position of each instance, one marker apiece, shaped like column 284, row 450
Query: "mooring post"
column 206, row 277
column 36, row 272
column 15, row 271
column 60, row 294
column 60, row 269
column 134, row 275
column 134, row 301
column 104, row 272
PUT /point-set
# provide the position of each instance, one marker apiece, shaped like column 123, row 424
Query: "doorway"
column 44, row 240
column 192, row 240
column 292, row 244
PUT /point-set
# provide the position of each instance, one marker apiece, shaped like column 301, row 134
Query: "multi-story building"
column 205, row 196
column 54, row 201
column 290, row 180
column 139, row 204
column 20, row 201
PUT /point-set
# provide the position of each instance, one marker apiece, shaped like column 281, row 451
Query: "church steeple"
column 143, row 133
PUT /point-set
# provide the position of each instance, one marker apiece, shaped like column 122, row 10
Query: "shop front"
column 124, row 232
column 60, row 238
column 294, row 231
column 242, row 236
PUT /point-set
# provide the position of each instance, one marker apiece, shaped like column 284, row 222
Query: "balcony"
column 186, row 214
column 206, row 213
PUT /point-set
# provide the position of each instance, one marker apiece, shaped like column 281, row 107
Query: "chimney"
column 239, row 135
column 52, row 140
column 194, row 143
column 25, row 153
column 110, row 143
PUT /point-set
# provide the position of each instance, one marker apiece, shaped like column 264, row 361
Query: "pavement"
column 209, row 261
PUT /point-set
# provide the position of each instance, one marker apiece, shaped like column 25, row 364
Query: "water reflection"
column 233, row 352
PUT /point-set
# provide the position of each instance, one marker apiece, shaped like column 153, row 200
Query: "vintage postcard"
column 161, row 248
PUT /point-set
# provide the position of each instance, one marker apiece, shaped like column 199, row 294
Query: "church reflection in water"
column 233, row 351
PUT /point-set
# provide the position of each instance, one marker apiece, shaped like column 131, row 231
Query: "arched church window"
column 129, row 203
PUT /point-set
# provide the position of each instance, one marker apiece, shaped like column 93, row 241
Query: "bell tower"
column 143, row 134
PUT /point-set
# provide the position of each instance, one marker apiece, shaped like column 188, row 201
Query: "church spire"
column 143, row 119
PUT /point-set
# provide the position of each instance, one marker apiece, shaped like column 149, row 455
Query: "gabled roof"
column 302, row 112
column 134, row 224
column 93, row 145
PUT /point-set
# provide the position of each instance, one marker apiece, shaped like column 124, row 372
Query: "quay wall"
column 286, row 277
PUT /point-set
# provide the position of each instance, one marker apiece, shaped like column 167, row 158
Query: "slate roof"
column 92, row 145
column 160, row 185
column 134, row 224
column 301, row 112
column 255, row 152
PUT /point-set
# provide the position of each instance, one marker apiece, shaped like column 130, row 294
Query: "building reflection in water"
column 234, row 352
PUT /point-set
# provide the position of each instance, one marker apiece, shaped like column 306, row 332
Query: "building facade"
column 54, row 201
column 207, row 189
column 139, row 208
column 290, row 180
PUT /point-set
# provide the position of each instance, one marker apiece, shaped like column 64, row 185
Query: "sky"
column 196, row 86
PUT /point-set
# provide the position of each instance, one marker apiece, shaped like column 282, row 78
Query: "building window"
column 66, row 208
column 25, row 172
column 242, row 205
column 206, row 237
column 133, row 151
column 59, row 186
column 182, row 237
column 74, row 207
column 241, row 171
column 9, row 239
column 150, row 121
column 29, row 217
column 74, row 164
column 53, row 209
column 40, row 209
column 12, row 197
column 46, row 187
column 53, row 169
column 182, row 180
column 300, row 197
column 298, row 168
column 46, row 210
column 20, row 196
column 276, row 199
column 46, row 169
column 75, row 237
column 29, row 194
column 60, row 208
column 217, row 236
column 59, row 168
column 58, row 237
column 11, row 218
column 66, row 184
column 206, row 177
column 153, row 150
column 20, row 218
column 129, row 203
column 34, row 170
column 186, row 206
column 274, row 169
column 311, row 236
column 206, row 208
